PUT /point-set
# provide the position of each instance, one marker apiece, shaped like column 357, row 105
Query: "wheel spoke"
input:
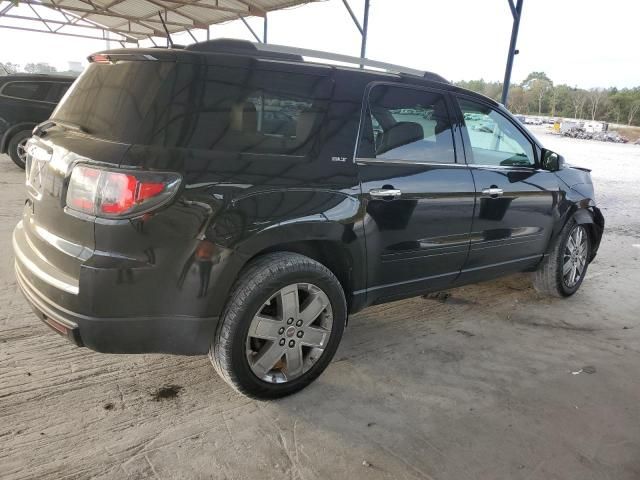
column 295, row 361
column 313, row 307
column 289, row 302
column 566, row 268
column 265, row 328
column 583, row 249
column 267, row 358
column 315, row 337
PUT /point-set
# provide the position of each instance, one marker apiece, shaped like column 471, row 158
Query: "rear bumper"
column 179, row 335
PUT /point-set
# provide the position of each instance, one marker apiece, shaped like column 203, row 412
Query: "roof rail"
column 337, row 57
column 269, row 50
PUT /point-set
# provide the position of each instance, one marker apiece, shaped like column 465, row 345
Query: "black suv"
column 25, row 101
column 236, row 200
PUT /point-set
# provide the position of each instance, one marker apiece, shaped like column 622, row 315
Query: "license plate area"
column 36, row 166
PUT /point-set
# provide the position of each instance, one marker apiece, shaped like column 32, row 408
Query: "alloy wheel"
column 575, row 256
column 21, row 150
column 289, row 333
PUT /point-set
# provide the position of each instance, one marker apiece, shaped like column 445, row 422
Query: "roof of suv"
column 245, row 48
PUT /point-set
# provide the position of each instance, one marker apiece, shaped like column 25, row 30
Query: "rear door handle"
column 385, row 193
column 492, row 192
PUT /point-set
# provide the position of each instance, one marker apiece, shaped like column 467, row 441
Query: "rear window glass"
column 26, row 90
column 198, row 106
column 111, row 101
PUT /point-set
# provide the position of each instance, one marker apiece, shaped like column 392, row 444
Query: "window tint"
column 407, row 124
column 495, row 140
column 248, row 111
column 57, row 91
column 230, row 109
column 112, row 101
column 26, row 90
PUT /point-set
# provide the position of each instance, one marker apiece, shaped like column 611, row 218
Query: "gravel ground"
column 490, row 382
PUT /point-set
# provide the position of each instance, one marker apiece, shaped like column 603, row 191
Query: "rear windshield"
column 225, row 108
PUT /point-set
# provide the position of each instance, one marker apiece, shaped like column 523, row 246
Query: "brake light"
column 118, row 193
column 100, row 58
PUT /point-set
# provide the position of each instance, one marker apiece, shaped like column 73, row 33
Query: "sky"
column 584, row 43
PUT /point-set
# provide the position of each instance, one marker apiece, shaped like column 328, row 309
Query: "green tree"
column 40, row 67
column 633, row 110
column 596, row 97
column 11, row 67
column 538, row 83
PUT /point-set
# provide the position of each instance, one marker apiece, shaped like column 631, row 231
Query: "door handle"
column 385, row 193
column 493, row 192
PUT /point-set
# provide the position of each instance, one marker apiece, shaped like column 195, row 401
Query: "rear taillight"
column 118, row 193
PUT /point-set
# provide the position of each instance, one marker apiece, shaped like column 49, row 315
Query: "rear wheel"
column 281, row 327
column 17, row 147
column 563, row 271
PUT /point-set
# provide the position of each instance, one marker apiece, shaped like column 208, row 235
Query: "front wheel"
column 563, row 270
column 281, row 326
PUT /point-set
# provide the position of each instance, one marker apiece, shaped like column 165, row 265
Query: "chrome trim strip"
column 499, row 264
column 73, row 289
column 375, row 161
column 367, row 161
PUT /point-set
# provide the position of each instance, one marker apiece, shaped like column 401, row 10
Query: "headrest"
column 304, row 125
column 402, row 133
column 244, row 117
column 249, row 118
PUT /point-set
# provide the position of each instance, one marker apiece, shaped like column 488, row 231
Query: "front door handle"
column 385, row 193
column 492, row 192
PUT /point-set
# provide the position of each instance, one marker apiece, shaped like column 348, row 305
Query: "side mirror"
column 551, row 160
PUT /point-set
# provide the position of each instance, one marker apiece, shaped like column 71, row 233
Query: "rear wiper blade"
column 44, row 126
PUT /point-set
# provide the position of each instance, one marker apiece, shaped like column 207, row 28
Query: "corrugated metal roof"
column 138, row 19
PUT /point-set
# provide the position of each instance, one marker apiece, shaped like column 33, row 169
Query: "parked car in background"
column 178, row 221
column 25, row 101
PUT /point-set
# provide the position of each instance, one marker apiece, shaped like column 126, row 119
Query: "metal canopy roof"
column 129, row 20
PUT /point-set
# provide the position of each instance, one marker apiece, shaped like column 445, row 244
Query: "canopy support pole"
column 255, row 35
column 516, row 13
column 264, row 29
column 362, row 28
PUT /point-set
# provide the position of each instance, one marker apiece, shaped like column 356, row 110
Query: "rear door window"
column 57, row 91
column 26, row 90
column 245, row 110
column 407, row 124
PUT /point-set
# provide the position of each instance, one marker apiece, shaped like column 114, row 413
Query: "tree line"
column 39, row 67
column 537, row 95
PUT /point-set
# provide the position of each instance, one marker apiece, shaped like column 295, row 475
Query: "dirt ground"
column 492, row 382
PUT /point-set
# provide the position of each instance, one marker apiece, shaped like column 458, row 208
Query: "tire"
column 551, row 278
column 245, row 344
column 17, row 143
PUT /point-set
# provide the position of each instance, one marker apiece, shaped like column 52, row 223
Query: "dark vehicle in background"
column 236, row 200
column 25, row 101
